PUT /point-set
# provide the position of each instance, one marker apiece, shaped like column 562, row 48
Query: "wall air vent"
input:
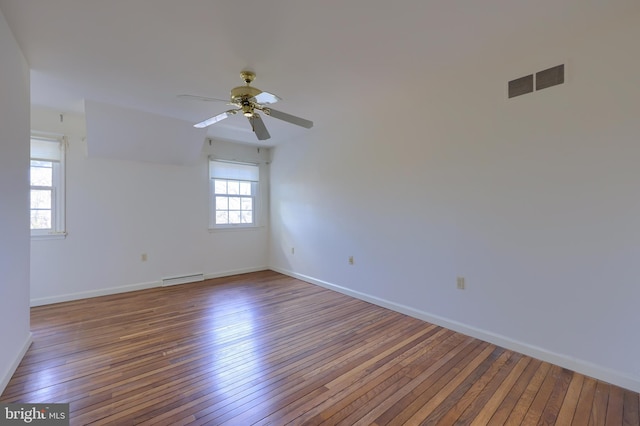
column 550, row 77
column 521, row 86
column 543, row 79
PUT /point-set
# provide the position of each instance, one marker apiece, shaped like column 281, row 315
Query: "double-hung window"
column 234, row 194
column 47, row 186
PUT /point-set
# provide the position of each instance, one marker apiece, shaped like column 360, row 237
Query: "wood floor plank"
column 436, row 356
column 429, row 404
column 522, row 406
column 570, row 401
column 497, row 397
column 558, row 393
column 515, row 393
column 358, row 359
column 289, row 369
column 583, row 409
column 631, row 409
column 464, row 397
column 599, row 406
column 208, row 411
column 542, row 396
column 357, row 384
column 267, row 349
column 476, row 405
column 615, row 406
column 423, row 387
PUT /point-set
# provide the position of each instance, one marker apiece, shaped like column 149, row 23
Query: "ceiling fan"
column 249, row 100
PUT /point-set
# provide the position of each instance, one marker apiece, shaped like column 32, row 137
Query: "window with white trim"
column 47, row 186
column 234, row 194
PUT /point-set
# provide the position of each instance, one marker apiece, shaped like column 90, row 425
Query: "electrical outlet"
column 460, row 283
column 143, row 257
column 350, row 260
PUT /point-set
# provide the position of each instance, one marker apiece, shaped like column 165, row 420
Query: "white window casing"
column 234, row 194
column 48, row 200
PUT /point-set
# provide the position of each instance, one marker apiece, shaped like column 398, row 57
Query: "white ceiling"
column 320, row 57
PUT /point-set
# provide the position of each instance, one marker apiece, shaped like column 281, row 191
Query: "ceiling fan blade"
column 258, row 127
column 202, row 98
column 208, row 122
column 289, row 118
column 266, row 98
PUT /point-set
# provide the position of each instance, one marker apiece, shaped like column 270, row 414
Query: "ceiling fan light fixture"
column 247, row 109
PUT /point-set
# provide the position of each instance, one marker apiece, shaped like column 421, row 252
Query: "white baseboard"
column 578, row 365
column 235, row 272
column 131, row 287
column 4, row 381
column 93, row 293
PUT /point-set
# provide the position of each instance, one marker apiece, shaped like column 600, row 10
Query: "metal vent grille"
column 543, row 79
column 550, row 77
column 182, row 280
column 521, row 86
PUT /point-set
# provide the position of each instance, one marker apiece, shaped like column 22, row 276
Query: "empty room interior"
column 280, row 212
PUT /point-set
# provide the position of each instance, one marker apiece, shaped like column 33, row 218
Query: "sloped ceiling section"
column 327, row 60
column 127, row 134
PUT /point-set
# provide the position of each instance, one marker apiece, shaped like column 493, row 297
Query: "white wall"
column 117, row 210
column 14, row 204
column 534, row 200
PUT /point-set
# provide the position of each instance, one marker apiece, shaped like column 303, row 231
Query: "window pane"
column 41, row 199
column 247, row 217
column 234, row 216
column 220, row 186
column 233, row 187
column 234, row 203
column 245, row 188
column 222, row 218
column 47, row 192
column 40, row 219
column 222, row 203
column 246, row 203
column 41, row 176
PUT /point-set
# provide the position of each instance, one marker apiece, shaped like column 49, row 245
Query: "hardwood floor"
column 264, row 348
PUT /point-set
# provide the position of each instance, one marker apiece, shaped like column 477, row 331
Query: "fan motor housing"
column 243, row 92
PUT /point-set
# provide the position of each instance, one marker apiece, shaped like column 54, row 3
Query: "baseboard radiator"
column 182, row 279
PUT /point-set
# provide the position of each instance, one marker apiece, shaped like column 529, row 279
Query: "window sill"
column 235, row 229
column 51, row 236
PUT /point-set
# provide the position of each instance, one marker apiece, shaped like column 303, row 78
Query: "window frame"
column 57, row 188
column 255, row 196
